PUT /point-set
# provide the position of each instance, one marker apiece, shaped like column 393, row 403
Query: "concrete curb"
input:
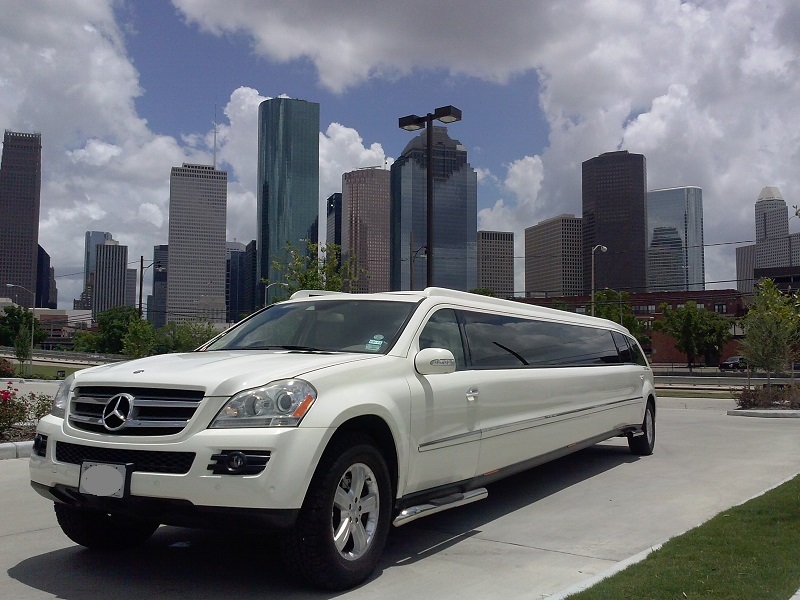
column 777, row 413
column 16, row 450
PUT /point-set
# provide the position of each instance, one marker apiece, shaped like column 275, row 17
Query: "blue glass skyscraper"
column 288, row 182
column 455, row 215
column 675, row 257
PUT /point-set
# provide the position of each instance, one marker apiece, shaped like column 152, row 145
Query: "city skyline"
column 120, row 91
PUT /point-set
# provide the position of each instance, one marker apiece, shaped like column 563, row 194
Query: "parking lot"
column 537, row 534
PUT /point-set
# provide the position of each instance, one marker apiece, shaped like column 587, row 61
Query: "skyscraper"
column 288, row 181
column 92, row 239
column 334, row 223
column 365, row 227
column 775, row 248
column 235, row 281
column 157, row 308
column 496, row 262
column 198, row 196
column 615, row 216
column 20, row 185
column 46, row 294
column 110, row 277
column 455, row 215
column 553, row 263
column 675, row 257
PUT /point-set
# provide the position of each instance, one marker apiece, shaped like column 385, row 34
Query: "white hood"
column 217, row 373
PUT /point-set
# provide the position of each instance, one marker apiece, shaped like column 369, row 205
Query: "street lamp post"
column 602, row 249
column 413, row 258
column 445, row 114
column 266, row 287
column 33, row 301
column 142, row 269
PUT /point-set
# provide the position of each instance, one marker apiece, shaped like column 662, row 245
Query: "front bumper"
column 175, row 482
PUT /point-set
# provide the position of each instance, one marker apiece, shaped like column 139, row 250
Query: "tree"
column 770, row 329
column 86, row 341
column 183, row 337
column 112, row 326
column 12, row 319
column 140, row 339
column 697, row 331
column 318, row 268
column 483, row 291
column 22, row 346
column 614, row 306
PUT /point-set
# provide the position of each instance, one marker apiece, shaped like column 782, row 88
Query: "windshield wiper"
column 288, row 347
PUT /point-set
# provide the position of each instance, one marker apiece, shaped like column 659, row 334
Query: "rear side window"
column 501, row 341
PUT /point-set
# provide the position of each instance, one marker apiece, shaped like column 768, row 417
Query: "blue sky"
column 122, row 90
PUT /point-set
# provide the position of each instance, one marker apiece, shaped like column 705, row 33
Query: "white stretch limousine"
column 330, row 416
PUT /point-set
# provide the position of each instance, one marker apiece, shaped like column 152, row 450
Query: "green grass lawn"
column 748, row 552
column 48, row 371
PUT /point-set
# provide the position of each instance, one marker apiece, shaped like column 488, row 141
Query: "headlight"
column 59, row 407
column 278, row 404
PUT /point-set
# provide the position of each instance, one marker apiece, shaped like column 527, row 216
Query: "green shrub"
column 21, row 411
column 774, row 396
column 6, row 368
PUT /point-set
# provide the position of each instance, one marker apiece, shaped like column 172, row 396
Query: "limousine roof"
column 470, row 300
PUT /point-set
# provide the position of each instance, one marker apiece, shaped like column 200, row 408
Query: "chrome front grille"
column 146, row 411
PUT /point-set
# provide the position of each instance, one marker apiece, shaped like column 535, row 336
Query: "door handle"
column 472, row 394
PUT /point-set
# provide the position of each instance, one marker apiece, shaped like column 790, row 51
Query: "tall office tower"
column 772, row 229
column 675, row 257
column 288, row 183
column 334, row 222
column 774, row 247
column 615, row 216
column 157, row 308
column 198, row 198
column 554, row 257
column 250, row 298
column 92, row 239
column 42, row 278
column 110, row 277
column 131, row 283
column 455, row 215
column 234, row 281
column 496, row 262
column 20, row 185
column 365, row 227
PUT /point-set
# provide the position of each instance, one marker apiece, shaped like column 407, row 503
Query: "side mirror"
column 434, row 361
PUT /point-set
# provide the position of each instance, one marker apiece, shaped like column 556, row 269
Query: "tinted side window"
column 442, row 331
column 499, row 341
column 625, row 353
column 638, row 355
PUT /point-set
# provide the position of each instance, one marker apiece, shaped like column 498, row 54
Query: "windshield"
column 369, row 326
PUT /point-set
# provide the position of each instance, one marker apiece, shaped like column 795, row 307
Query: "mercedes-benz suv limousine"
column 329, row 417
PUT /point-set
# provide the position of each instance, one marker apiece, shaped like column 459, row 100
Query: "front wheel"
column 643, row 444
column 100, row 531
column 344, row 521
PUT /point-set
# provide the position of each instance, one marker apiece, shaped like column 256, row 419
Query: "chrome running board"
column 412, row 513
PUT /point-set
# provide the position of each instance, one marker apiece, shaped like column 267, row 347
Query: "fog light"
column 237, row 462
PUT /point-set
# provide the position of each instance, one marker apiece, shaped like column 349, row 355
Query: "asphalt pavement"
column 538, row 535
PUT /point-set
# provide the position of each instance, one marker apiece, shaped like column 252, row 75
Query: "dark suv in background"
column 734, row 363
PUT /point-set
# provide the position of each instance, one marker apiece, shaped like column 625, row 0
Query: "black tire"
column 100, row 531
column 643, row 445
column 342, row 527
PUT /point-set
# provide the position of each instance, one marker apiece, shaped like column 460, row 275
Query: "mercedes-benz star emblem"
column 118, row 412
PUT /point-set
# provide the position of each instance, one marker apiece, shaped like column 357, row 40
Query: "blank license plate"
column 103, row 479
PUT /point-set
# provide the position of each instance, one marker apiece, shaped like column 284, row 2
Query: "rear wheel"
column 101, row 531
column 643, row 444
column 344, row 521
